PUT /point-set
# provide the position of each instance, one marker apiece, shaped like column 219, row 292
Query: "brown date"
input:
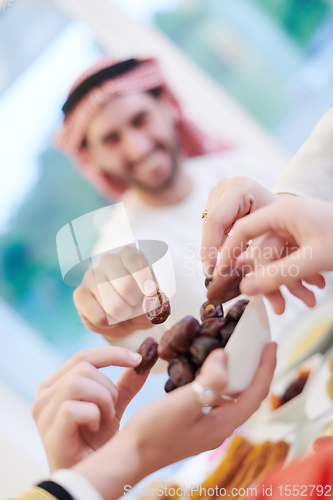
column 165, row 349
column 211, row 327
column 236, row 311
column 182, row 333
column 148, row 351
column 209, row 278
column 201, row 347
column 227, row 331
column 209, row 310
column 169, row 386
column 157, row 308
column 181, row 371
column 226, row 286
column 294, row 389
column 179, row 338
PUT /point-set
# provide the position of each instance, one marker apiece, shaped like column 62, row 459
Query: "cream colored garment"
column 310, row 172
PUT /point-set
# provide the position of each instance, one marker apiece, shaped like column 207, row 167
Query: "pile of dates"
column 188, row 343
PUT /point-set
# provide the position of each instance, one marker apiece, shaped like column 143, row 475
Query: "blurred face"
column 132, row 137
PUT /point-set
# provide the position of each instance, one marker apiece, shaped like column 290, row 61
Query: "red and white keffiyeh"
column 146, row 76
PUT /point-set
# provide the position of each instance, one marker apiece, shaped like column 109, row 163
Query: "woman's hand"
column 174, row 427
column 266, row 249
column 303, row 231
column 228, row 201
column 78, row 408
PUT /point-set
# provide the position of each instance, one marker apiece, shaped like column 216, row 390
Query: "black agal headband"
column 96, row 80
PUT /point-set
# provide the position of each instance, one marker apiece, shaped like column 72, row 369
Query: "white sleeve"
column 310, row 172
column 76, row 485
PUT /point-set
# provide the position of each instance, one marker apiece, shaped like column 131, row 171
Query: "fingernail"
column 135, row 357
column 249, row 285
column 149, row 287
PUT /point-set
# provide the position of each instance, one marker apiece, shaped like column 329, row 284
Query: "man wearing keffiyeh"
column 113, row 150
column 128, row 135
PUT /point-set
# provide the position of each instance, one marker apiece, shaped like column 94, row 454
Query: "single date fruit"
column 226, row 286
column 165, row 349
column 211, row 327
column 227, row 331
column 201, row 347
column 157, row 308
column 294, row 389
column 182, row 333
column 209, row 310
column 236, row 311
column 169, row 386
column 179, row 338
column 181, row 371
column 148, row 351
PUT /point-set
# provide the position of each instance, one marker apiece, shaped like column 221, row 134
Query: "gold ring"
column 204, row 213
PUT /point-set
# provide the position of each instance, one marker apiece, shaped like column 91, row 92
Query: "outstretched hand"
column 78, row 409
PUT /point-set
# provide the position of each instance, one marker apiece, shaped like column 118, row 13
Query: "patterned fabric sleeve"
column 64, row 484
column 47, row 490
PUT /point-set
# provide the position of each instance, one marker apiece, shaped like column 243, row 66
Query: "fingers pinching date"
column 148, row 351
column 157, row 308
column 226, row 286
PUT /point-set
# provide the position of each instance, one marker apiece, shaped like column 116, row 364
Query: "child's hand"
column 78, row 408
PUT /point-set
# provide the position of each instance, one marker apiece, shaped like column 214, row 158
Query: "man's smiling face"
column 133, row 138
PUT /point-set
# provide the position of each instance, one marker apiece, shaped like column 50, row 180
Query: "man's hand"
column 109, row 299
column 78, row 409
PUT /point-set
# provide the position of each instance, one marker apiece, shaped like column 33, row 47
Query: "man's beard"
column 175, row 162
